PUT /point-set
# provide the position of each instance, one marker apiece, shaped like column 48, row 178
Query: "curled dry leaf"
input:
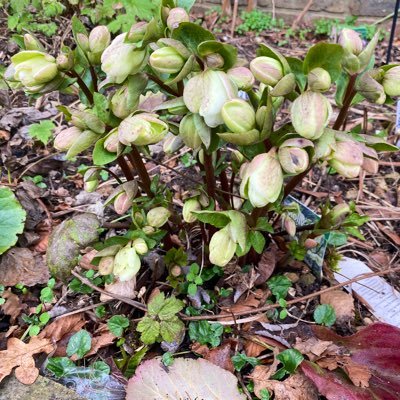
column 126, row 289
column 183, row 379
column 101, row 338
column 220, row 356
column 342, row 303
column 267, row 264
column 20, row 265
column 12, row 306
column 20, row 355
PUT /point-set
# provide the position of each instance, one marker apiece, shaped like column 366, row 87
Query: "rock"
column 67, row 239
column 43, row 389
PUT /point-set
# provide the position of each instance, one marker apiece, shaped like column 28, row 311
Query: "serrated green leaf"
column 150, row 330
column 79, row 343
column 279, row 285
column 42, row 131
column 171, row 330
column 116, row 324
column 353, row 231
column 156, row 304
column 325, row 314
column 170, row 307
column 12, row 218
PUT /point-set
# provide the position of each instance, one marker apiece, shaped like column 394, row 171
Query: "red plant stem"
column 232, row 184
column 82, row 85
column 125, row 168
column 94, row 78
column 137, row 161
column 162, row 85
column 210, row 176
column 348, row 97
column 224, row 183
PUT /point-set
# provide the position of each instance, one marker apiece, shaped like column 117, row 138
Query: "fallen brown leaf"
column 267, row 264
column 20, row 355
column 393, row 236
column 12, row 306
column 358, row 374
column 20, row 265
column 342, row 303
column 126, row 289
column 102, row 338
column 221, row 356
column 313, row 348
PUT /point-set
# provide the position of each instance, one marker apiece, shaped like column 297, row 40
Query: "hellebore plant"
column 170, row 81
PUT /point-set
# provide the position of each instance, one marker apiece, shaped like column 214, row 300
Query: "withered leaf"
column 342, row 303
column 12, row 306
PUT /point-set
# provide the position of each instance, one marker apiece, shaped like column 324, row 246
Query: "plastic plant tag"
column 315, row 256
column 375, row 293
column 398, row 118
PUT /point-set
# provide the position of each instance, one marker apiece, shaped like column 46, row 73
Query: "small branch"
column 348, row 97
column 162, row 85
column 82, row 85
column 261, row 310
column 137, row 161
column 299, row 18
column 210, row 176
column 234, row 16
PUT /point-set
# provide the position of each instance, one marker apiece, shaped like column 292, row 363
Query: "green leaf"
column 337, row 239
column 185, row 4
column 267, row 51
column 327, row 56
column 170, row 307
column 191, row 35
column 325, row 314
column 42, row 131
column 60, row 366
column 279, row 285
column 12, row 218
column 167, row 359
column 116, row 324
column 353, row 231
column 100, row 155
column 192, row 289
column 134, row 361
column 101, row 107
column 227, row 51
column 34, row 330
column 238, row 228
column 296, row 66
column 156, row 304
column 46, row 295
column 206, row 333
column 240, row 360
column 44, row 318
column 383, row 146
column 257, row 240
column 264, row 225
column 215, row 218
column 100, row 311
column 150, row 330
column 79, row 343
column 290, row 359
column 171, row 330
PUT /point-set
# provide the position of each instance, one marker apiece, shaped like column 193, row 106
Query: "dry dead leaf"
column 342, row 303
column 313, row 348
column 102, row 338
column 85, row 261
column 296, row 387
column 359, row 374
column 267, row 264
column 20, row 265
column 126, row 289
column 20, row 355
column 12, row 306
column 221, row 356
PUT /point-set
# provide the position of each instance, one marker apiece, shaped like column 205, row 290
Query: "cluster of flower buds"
column 262, row 179
column 91, row 179
column 94, row 45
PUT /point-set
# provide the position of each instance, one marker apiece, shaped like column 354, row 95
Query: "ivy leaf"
column 325, row 314
column 60, row 366
column 290, row 360
column 116, row 324
column 12, row 218
column 150, row 330
column 170, row 330
column 79, row 343
column 240, row 360
column 42, row 131
column 279, row 285
column 170, row 307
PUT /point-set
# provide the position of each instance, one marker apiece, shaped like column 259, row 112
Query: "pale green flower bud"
column 86, row 119
column 140, row 246
column 126, row 263
column 121, row 59
column 176, row 16
column 339, row 212
column 122, row 196
column 293, row 157
column 222, row 247
column 310, row 114
column 289, row 225
column 34, row 69
column 99, row 39
column 137, row 31
column 242, row 77
column 166, row 60
column 391, row 81
column 262, row 179
column 112, row 143
column 172, row 143
column 214, row 60
column 106, row 265
column 83, row 42
column 285, row 86
column 190, row 205
column 237, row 159
column 207, row 92
column 347, row 159
column 319, row 80
column 175, row 271
column 91, row 179
column 65, row 139
column 351, row 41
column 371, row 89
column 65, row 61
column 122, row 203
column 31, row 43
column 267, row 70
column 310, row 243
column 148, row 230
column 238, row 115
column 158, row 216
column 188, row 131
column 142, row 129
